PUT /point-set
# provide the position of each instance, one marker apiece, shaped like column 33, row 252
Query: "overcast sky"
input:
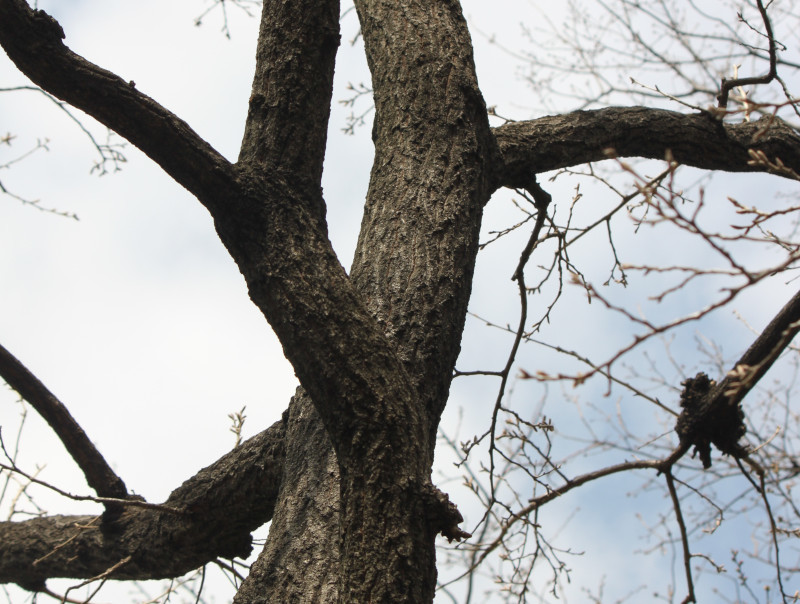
column 139, row 321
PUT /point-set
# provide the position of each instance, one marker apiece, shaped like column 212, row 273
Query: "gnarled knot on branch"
column 708, row 419
column 443, row 514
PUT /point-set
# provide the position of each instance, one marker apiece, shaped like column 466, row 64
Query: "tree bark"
column 99, row 475
column 699, row 140
column 214, row 515
column 300, row 561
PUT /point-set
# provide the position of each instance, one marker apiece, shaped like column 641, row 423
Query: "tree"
column 346, row 476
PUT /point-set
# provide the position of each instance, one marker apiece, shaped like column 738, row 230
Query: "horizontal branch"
column 698, row 140
column 219, row 508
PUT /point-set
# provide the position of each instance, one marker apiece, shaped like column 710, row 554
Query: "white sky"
column 138, row 320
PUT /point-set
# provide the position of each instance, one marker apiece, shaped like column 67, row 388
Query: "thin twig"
column 728, row 85
column 687, row 556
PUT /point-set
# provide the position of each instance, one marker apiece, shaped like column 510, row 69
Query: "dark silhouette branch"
column 99, row 475
column 728, row 85
column 712, row 411
column 687, row 555
column 33, row 41
column 660, row 465
column 542, row 201
column 761, row 488
column 698, row 140
column 764, row 351
column 110, row 502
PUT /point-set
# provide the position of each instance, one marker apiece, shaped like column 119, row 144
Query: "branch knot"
column 707, row 419
column 443, row 514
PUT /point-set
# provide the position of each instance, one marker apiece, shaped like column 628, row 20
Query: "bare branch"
column 728, row 85
column 33, row 40
column 219, row 507
column 697, row 140
column 98, row 473
column 687, row 556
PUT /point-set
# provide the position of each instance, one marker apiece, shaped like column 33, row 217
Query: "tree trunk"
column 413, row 267
column 300, row 561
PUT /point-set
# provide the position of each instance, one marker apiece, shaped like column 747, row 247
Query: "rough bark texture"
column 286, row 133
column 374, row 350
column 215, row 512
column 712, row 412
column 301, row 558
column 698, row 140
column 418, row 242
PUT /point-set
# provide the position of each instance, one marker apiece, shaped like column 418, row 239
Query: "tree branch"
column 712, row 412
column 221, row 505
column 33, row 41
column 554, row 142
column 99, row 475
column 419, row 237
column 287, row 121
column 267, row 221
column 728, row 85
column 660, row 465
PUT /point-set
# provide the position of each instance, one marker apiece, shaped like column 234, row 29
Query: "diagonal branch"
column 712, row 412
column 761, row 355
column 554, row 142
column 33, row 41
column 98, row 473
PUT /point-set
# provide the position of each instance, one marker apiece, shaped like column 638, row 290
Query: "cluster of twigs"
column 249, row 7
column 109, row 158
column 514, row 468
